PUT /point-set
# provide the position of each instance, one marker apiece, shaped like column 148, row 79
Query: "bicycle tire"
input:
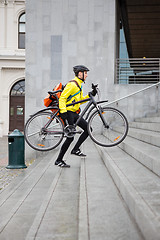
column 114, row 133
column 40, row 138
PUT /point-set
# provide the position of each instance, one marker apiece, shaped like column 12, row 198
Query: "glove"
column 93, row 92
column 64, row 116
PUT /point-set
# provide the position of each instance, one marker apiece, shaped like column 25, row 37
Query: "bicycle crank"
column 70, row 131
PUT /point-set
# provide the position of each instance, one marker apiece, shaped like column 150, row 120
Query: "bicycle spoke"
column 41, row 138
column 108, row 135
column 32, row 134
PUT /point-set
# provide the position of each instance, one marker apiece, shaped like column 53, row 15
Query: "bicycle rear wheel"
column 43, row 134
column 112, row 134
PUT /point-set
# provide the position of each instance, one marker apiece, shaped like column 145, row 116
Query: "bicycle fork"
column 100, row 111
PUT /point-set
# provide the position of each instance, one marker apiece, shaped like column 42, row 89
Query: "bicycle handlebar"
column 94, row 90
column 94, row 87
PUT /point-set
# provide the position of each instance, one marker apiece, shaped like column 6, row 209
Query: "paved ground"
column 7, row 175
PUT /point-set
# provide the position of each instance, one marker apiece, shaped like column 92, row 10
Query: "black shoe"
column 61, row 163
column 78, row 153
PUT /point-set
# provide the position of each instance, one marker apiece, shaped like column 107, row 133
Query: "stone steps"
column 112, row 194
column 108, row 215
column 144, row 153
column 148, row 119
column 77, row 203
column 135, row 168
column 58, row 213
column 157, row 114
column 147, row 136
column 20, row 201
column 139, row 188
column 145, row 125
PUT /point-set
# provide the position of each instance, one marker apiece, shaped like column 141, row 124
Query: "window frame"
column 15, row 90
column 21, row 33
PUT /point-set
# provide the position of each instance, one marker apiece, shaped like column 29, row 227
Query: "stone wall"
column 64, row 33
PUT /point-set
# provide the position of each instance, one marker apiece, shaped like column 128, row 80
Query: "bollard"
column 16, row 150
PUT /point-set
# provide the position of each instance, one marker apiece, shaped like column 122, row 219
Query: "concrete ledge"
column 145, row 125
column 145, row 217
column 155, row 114
column 148, row 119
column 145, row 136
column 144, row 153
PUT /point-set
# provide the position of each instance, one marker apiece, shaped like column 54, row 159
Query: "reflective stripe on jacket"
column 70, row 89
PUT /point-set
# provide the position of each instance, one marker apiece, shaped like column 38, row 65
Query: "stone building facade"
column 64, row 33
column 12, row 65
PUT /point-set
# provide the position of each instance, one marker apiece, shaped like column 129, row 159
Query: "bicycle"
column 107, row 126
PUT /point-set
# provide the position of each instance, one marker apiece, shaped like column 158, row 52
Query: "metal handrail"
column 129, row 95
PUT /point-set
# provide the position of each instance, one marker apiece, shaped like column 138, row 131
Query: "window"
column 124, row 64
column 123, row 53
column 18, row 89
column 21, row 31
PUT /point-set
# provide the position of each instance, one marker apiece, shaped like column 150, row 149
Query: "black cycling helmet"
column 79, row 68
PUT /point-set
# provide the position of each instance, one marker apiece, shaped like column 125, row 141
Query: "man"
column 72, row 93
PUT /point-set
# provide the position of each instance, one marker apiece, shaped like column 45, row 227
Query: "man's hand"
column 93, row 92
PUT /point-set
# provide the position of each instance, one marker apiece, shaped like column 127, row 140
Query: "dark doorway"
column 17, row 106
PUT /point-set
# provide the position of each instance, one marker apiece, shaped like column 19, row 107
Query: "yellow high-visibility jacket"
column 70, row 89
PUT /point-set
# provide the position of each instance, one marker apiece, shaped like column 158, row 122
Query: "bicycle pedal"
column 79, row 132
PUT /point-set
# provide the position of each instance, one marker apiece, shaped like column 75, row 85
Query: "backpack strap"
column 69, row 98
column 76, row 84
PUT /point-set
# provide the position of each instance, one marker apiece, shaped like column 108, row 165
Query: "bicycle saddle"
column 53, row 92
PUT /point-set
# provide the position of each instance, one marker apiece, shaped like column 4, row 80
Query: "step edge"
column 137, row 141
column 140, row 207
column 40, row 214
column 147, row 119
column 147, row 126
column 145, row 137
column 150, row 161
column 83, row 218
column 15, row 184
column 11, row 213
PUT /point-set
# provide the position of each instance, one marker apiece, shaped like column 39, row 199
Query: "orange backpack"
column 49, row 99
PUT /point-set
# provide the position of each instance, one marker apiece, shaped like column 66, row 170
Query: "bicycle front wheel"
column 43, row 133
column 112, row 132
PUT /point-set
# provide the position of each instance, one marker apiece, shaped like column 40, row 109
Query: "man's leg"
column 64, row 148
column 82, row 124
column 66, row 144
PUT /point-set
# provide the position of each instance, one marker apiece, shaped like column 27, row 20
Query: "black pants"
column 72, row 117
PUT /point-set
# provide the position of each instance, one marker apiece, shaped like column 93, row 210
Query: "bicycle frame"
column 66, row 130
column 91, row 102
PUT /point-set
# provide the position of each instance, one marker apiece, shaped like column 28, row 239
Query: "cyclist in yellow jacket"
column 73, row 92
